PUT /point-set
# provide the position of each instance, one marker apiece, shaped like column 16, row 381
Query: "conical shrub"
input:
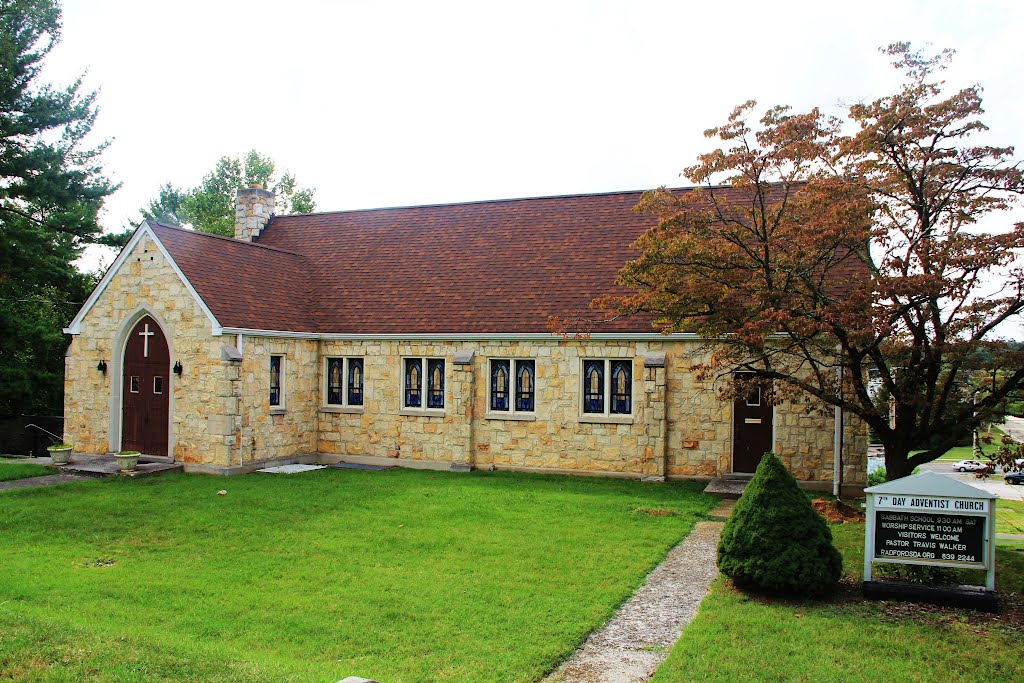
column 775, row 541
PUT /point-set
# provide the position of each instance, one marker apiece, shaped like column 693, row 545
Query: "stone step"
column 726, row 488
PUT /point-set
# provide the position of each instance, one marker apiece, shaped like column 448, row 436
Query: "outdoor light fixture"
column 178, row 368
column 102, row 366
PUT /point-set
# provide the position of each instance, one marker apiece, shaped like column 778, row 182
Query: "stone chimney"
column 254, row 207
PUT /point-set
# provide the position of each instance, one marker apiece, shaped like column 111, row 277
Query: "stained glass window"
column 622, row 390
column 524, row 385
column 334, row 374
column 435, row 390
column 413, row 382
column 275, row 380
column 593, row 386
column 499, row 384
column 355, row 381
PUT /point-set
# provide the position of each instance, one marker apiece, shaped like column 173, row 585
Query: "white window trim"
column 512, row 413
column 607, row 417
column 344, row 406
column 424, row 372
column 280, row 407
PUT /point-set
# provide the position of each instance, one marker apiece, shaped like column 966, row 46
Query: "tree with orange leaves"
column 817, row 257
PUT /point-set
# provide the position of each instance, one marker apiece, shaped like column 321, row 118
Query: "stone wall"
column 146, row 283
column 221, row 417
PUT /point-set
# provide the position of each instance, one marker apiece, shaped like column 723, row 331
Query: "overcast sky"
column 389, row 104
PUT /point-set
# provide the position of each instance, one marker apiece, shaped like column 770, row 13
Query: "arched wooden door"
column 145, row 394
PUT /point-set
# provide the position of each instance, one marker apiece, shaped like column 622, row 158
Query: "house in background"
column 414, row 336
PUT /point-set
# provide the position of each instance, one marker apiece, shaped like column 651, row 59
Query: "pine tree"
column 775, row 541
column 51, row 188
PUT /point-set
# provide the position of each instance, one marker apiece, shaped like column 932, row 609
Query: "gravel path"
column 45, row 480
column 631, row 645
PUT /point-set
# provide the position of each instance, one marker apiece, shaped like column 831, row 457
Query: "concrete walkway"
column 638, row 637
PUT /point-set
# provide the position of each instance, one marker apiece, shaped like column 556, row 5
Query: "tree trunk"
column 896, row 464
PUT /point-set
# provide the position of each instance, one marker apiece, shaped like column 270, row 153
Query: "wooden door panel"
column 144, row 397
column 752, row 430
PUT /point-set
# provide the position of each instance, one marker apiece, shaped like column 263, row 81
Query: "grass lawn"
column 741, row 637
column 1010, row 516
column 399, row 575
column 11, row 468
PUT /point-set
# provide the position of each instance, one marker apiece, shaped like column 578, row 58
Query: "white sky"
column 390, row 103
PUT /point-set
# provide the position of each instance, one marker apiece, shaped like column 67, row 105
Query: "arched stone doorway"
column 145, row 389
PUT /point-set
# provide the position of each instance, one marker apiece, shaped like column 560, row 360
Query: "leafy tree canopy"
column 51, row 188
column 210, row 207
column 814, row 252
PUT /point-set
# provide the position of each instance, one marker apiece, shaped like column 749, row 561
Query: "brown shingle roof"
column 503, row 266
column 244, row 285
column 483, row 267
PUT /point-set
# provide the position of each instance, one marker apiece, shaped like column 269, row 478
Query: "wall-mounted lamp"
column 102, row 366
column 177, row 368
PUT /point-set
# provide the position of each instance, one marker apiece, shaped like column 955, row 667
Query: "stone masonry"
column 221, row 419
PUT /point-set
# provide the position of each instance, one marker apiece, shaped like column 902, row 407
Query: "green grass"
column 12, row 469
column 399, row 575
column 741, row 637
column 1009, row 516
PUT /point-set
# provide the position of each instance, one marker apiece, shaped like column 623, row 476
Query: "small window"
column 423, row 383
column 512, row 385
column 607, row 387
column 158, row 385
column 413, row 382
column 593, row 386
column 343, row 381
column 355, row 381
column 276, row 380
column 754, row 397
column 133, row 384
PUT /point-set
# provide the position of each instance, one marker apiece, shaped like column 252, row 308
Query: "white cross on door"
column 145, row 334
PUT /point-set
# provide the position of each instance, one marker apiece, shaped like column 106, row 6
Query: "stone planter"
column 60, row 454
column 127, row 461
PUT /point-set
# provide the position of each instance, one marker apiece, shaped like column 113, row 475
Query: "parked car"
column 1019, row 462
column 1014, row 478
column 971, row 466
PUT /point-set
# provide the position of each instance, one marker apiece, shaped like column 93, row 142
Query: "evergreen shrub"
column 775, row 541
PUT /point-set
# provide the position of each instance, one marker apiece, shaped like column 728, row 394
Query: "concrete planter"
column 61, row 455
column 127, row 461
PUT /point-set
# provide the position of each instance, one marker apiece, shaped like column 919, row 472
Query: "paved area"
column 1014, row 427
column 638, row 637
column 46, row 480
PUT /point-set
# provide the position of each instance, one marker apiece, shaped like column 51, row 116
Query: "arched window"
column 413, row 383
column 499, row 384
column 355, row 381
column 622, row 387
column 334, row 372
column 524, row 385
column 593, row 386
column 436, row 389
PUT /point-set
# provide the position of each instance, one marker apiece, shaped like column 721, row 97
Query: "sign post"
column 930, row 519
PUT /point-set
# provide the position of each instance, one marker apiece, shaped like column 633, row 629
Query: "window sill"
column 525, row 417
column 278, row 411
column 354, row 410
column 607, row 419
column 422, row 412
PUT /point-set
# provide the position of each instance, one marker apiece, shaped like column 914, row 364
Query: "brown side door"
column 751, row 430
column 145, row 394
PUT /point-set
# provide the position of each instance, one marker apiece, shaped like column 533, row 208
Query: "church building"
column 415, row 336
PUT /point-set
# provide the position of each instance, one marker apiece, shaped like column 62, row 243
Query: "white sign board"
column 930, row 519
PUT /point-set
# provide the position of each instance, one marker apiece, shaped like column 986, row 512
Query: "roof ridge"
column 496, row 201
column 224, row 237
